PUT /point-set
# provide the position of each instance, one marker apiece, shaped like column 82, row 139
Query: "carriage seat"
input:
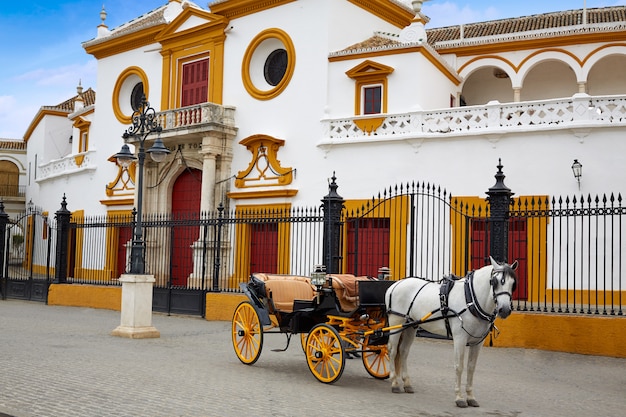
column 283, row 290
column 347, row 290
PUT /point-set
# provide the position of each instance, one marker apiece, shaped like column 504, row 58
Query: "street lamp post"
column 145, row 122
column 136, row 322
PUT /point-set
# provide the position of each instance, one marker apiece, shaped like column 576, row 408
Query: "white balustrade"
column 493, row 117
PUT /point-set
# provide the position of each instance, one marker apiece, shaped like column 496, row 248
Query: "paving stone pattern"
column 62, row 362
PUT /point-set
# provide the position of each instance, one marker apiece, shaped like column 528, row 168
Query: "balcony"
column 68, row 165
column 580, row 111
column 197, row 120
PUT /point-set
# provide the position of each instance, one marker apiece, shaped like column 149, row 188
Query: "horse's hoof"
column 395, row 390
column 461, row 403
column 409, row 389
column 473, row 403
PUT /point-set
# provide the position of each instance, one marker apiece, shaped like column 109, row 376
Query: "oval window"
column 136, row 96
column 275, row 67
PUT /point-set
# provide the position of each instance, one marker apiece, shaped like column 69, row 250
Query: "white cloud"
column 62, row 76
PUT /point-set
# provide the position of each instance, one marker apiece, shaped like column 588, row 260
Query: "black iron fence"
column 570, row 251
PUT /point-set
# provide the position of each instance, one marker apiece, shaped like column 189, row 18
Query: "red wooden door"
column 195, row 85
column 185, row 205
column 368, row 246
column 518, row 244
column 264, row 248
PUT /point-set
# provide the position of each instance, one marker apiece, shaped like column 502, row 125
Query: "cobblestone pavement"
column 62, row 362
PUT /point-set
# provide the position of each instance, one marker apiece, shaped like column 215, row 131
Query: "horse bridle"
column 470, row 295
column 494, row 281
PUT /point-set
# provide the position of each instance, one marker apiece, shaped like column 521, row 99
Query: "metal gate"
column 27, row 253
column 413, row 229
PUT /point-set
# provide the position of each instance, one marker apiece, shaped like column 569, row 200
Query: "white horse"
column 467, row 314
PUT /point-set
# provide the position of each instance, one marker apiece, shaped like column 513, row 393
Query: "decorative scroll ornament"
column 264, row 169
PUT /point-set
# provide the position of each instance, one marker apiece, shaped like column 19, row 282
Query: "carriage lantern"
column 384, row 273
column 318, row 276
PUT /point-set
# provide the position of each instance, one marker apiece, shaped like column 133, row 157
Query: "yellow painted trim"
column 369, row 73
column 480, row 58
column 77, row 216
column 242, row 239
column 120, row 202
column 89, row 296
column 79, row 159
column 113, row 241
column 284, row 175
column 83, row 127
column 284, row 38
column 588, row 335
column 369, row 125
column 238, row 8
column 125, row 43
column 397, row 235
column 262, row 194
column 539, row 43
column 119, row 115
column 387, row 10
column 437, row 62
column 558, row 50
column 595, row 51
column 201, row 41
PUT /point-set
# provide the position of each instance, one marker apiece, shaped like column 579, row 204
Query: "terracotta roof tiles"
column 537, row 22
column 89, row 97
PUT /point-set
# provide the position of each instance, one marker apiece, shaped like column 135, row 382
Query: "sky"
column 43, row 59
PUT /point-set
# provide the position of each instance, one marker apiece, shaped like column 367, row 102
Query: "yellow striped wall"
column 584, row 334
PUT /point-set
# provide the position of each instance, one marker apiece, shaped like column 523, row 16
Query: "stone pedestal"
column 136, row 322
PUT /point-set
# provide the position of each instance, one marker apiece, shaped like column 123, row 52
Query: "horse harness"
column 474, row 307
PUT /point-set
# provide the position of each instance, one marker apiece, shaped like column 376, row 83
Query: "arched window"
column 9, row 179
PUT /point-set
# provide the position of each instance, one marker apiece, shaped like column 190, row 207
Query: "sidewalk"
column 62, row 362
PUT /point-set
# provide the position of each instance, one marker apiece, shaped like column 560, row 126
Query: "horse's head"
column 503, row 283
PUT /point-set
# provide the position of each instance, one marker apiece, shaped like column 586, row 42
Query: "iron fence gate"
column 27, row 246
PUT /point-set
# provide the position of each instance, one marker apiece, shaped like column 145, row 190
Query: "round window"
column 275, row 67
column 136, row 96
column 268, row 64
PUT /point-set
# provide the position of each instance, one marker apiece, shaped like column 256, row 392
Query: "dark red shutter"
column 195, row 83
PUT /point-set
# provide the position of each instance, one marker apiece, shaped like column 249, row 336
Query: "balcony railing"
column 197, row 117
column 578, row 111
column 7, row 190
column 70, row 164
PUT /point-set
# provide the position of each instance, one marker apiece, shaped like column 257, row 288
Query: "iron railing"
column 569, row 249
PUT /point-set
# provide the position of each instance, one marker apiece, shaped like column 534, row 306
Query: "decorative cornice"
column 233, row 9
column 393, row 12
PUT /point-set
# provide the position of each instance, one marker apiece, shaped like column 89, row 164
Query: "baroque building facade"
column 260, row 102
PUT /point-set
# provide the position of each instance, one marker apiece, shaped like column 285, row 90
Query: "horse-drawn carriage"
column 336, row 316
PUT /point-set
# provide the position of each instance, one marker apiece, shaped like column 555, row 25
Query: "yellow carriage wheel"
column 247, row 333
column 324, row 353
column 376, row 360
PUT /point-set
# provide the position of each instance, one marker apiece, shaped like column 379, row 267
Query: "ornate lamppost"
column 145, row 122
column 136, row 309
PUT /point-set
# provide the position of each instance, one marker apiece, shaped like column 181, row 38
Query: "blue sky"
column 43, row 60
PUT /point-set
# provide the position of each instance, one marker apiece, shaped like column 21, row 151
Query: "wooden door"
column 185, row 207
